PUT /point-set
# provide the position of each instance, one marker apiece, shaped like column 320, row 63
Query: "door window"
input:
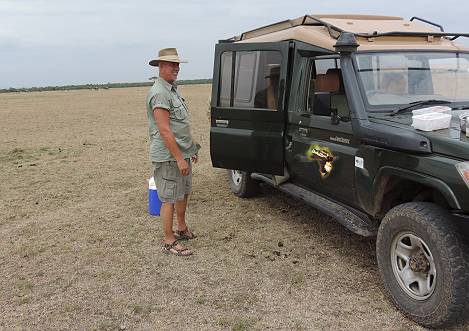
column 255, row 79
column 225, row 78
column 326, row 88
column 245, row 77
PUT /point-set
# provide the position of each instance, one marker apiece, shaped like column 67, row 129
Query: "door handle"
column 222, row 123
column 303, row 131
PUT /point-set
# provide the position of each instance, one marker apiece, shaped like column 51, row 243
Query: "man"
column 394, row 83
column 172, row 150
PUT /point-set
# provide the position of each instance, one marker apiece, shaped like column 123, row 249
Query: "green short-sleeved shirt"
column 164, row 95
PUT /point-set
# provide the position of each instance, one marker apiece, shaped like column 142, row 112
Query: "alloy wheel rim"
column 413, row 265
column 236, row 176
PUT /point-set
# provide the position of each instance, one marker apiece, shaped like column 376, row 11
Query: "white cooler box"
column 431, row 121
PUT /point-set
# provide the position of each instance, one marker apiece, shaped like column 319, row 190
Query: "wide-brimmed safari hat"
column 166, row 54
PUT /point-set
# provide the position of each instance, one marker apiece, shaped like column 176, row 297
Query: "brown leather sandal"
column 171, row 249
column 184, row 235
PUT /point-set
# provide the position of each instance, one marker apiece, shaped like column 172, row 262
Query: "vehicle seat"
column 331, row 82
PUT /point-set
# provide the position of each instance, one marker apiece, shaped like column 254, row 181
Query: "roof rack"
column 428, row 22
column 413, row 34
column 335, row 31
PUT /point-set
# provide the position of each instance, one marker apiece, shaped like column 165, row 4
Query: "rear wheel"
column 423, row 264
column 242, row 184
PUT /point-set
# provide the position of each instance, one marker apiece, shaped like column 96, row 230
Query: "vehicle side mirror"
column 335, row 118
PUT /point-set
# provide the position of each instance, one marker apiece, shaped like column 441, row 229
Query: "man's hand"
column 183, row 167
column 194, row 158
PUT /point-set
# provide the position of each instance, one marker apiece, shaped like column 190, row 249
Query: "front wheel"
column 423, row 264
column 242, row 184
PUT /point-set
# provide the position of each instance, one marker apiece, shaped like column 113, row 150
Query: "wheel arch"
column 389, row 177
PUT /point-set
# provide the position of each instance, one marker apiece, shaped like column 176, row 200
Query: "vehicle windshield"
column 400, row 78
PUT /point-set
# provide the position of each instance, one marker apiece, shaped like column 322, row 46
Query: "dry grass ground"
column 78, row 250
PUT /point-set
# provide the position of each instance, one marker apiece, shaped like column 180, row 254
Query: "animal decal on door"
column 324, row 157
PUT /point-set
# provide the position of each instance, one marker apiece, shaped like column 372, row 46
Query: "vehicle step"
column 355, row 221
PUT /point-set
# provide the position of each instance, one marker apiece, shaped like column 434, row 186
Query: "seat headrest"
column 328, row 82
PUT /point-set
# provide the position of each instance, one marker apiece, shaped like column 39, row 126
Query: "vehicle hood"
column 451, row 142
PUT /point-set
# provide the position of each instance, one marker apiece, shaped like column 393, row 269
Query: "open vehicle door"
column 247, row 110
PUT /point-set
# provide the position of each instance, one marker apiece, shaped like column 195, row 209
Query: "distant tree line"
column 99, row 86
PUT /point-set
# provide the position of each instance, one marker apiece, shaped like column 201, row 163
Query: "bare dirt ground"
column 78, row 250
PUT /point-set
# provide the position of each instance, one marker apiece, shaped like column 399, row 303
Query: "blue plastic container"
column 154, row 202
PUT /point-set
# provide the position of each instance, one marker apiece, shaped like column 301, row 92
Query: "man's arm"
column 161, row 116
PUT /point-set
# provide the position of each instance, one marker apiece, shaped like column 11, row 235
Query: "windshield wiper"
column 460, row 108
column 420, row 103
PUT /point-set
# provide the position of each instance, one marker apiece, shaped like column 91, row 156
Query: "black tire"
column 442, row 298
column 241, row 184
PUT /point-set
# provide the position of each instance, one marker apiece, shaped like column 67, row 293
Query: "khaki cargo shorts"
column 170, row 184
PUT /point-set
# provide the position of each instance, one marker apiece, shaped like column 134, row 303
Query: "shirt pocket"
column 179, row 110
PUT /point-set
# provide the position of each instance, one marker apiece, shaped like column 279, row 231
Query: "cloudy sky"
column 58, row 42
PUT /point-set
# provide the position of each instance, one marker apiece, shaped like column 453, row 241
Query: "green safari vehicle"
column 326, row 108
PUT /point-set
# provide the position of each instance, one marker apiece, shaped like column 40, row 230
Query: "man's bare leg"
column 183, row 230
column 181, row 206
column 166, row 215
